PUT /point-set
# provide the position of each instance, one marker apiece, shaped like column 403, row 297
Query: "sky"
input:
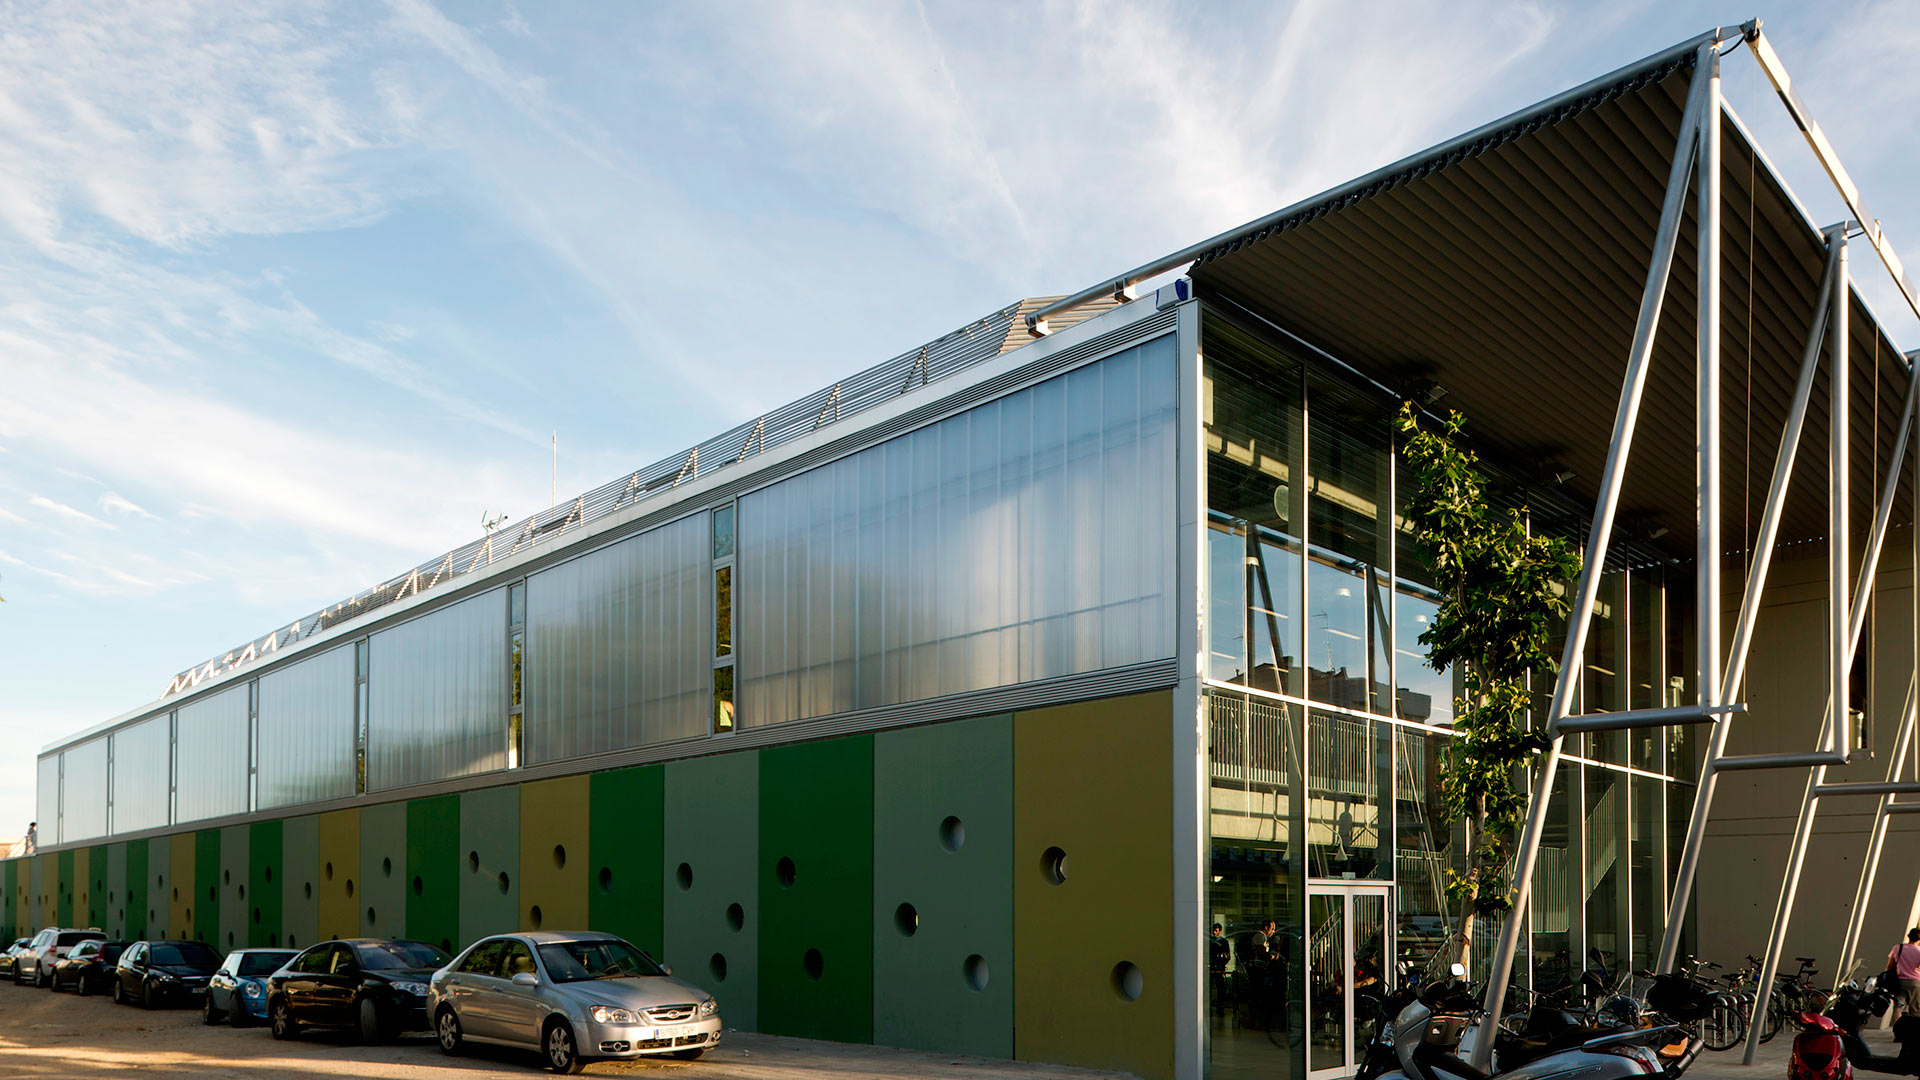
column 293, row 295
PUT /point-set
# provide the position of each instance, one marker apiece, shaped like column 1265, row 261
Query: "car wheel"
column 284, row 1025
column 447, row 1027
column 42, row 978
column 237, row 1014
column 209, row 1015
column 562, row 1056
column 83, row 986
column 148, row 999
column 690, row 1055
column 371, row 1029
column 119, row 991
column 53, row 982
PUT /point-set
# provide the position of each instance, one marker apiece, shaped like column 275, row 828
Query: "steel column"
column 1652, row 297
column 1736, row 669
column 1870, row 867
column 1842, row 637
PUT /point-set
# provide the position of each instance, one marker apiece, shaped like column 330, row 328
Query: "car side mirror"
column 526, row 978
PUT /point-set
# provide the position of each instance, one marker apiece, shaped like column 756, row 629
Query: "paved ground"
column 1770, row 1062
column 48, row 1036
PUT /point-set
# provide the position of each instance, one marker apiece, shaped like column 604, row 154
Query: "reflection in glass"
column 1606, row 878
column 723, row 611
column 1348, row 641
column 1254, row 890
column 723, row 698
column 1251, row 403
column 1649, row 883
column 1326, row 974
column 1426, row 847
column 1348, row 761
column 1604, row 680
column 1553, row 881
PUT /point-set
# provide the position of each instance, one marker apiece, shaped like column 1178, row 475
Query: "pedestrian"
column 1904, row 964
column 1219, row 957
column 33, row 837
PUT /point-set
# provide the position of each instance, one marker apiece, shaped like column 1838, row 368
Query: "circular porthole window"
column 683, row 876
column 559, row 857
column 953, row 834
column 606, row 879
column 784, row 872
column 1053, row 866
column 813, row 964
column 736, row 917
column 906, row 919
column 1127, row 981
column 717, row 964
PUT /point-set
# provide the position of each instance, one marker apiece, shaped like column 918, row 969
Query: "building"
column 952, row 705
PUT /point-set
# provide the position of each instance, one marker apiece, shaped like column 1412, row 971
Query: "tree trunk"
column 1464, row 919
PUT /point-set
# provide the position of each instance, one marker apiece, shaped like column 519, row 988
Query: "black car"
column 7, row 958
column 89, row 967
column 377, row 987
column 156, row 972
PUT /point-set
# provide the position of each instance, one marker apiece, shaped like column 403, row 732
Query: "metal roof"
column 1507, row 266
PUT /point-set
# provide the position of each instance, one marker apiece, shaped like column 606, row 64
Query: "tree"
column 1500, row 590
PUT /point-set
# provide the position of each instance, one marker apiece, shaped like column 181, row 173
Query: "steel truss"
column 1697, row 151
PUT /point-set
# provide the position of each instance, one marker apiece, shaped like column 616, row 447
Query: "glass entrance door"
column 1349, row 947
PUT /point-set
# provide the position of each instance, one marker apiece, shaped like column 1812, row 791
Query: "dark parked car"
column 238, row 991
column 35, row 963
column 156, row 972
column 6, row 958
column 89, row 967
column 377, row 987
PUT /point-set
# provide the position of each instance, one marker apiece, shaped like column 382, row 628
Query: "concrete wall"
column 1751, row 829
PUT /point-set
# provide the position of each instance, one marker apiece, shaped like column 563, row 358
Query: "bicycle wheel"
column 1774, row 1015
column 1723, row 1027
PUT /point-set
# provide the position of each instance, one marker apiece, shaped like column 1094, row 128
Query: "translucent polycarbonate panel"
column 141, row 770
column 438, row 695
column 83, row 807
column 210, row 757
column 47, row 800
column 1026, row 538
column 618, row 645
column 306, row 731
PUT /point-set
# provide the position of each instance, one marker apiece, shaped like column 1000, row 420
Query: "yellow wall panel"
column 339, row 866
column 1094, row 781
column 180, row 859
column 553, row 854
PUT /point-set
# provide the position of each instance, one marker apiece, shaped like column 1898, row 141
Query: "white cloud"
column 68, row 513
column 120, row 504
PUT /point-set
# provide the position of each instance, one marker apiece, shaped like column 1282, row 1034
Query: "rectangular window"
column 723, row 533
column 723, row 611
column 723, row 698
column 516, row 673
column 360, row 702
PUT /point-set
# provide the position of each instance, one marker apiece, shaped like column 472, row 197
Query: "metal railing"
column 980, row 340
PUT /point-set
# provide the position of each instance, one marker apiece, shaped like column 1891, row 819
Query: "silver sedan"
column 573, row 996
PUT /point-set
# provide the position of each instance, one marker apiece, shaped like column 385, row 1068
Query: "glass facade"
column 210, row 756
column 83, row 773
column 1316, row 671
column 306, row 737
column 437, row 695
column 142, row 771
column 1026, row 538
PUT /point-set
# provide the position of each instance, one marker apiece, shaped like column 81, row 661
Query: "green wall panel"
column 158, row 881
column 625, row 878
column 235, row 854
column 300, row 898
column 490, row 862
column 8, row 917
column 816, row 924
column 63, row 889
column 383, row 871
column 116, row 917
column 433, row 867
column 97, row 907
column 266, row 883
column 555, row 854
column 208, row 881
column 138, row 894
column 43, row 878
column 25, row 912
column 711, row 807
column 929, row 989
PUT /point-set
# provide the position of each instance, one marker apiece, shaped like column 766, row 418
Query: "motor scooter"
column 1829, row 1046
column 1426, row 1036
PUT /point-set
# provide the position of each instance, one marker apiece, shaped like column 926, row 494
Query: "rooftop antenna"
column 491, row 523
column 553, row 498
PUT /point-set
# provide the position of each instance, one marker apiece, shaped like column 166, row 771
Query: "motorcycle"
column 1829, row 1046
column 1425, row 1037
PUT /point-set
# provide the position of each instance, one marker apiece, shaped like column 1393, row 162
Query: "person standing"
column 1904, row 962
column 33, row 837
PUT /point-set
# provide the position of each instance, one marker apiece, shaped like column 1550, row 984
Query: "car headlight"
column 164, row 977
column 253, row 990
column 709, row 1007
column 607, row 1014
column 417, row 989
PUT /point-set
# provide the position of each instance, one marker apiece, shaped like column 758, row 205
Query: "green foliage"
column 1501, row 590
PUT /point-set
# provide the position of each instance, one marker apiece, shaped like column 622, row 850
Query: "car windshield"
column 263, row 963
column 75, row 937
column 393, row 955
column 181, row 952
column 577, row 961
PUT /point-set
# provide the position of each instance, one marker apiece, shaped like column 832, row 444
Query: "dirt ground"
column 48, row 1036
